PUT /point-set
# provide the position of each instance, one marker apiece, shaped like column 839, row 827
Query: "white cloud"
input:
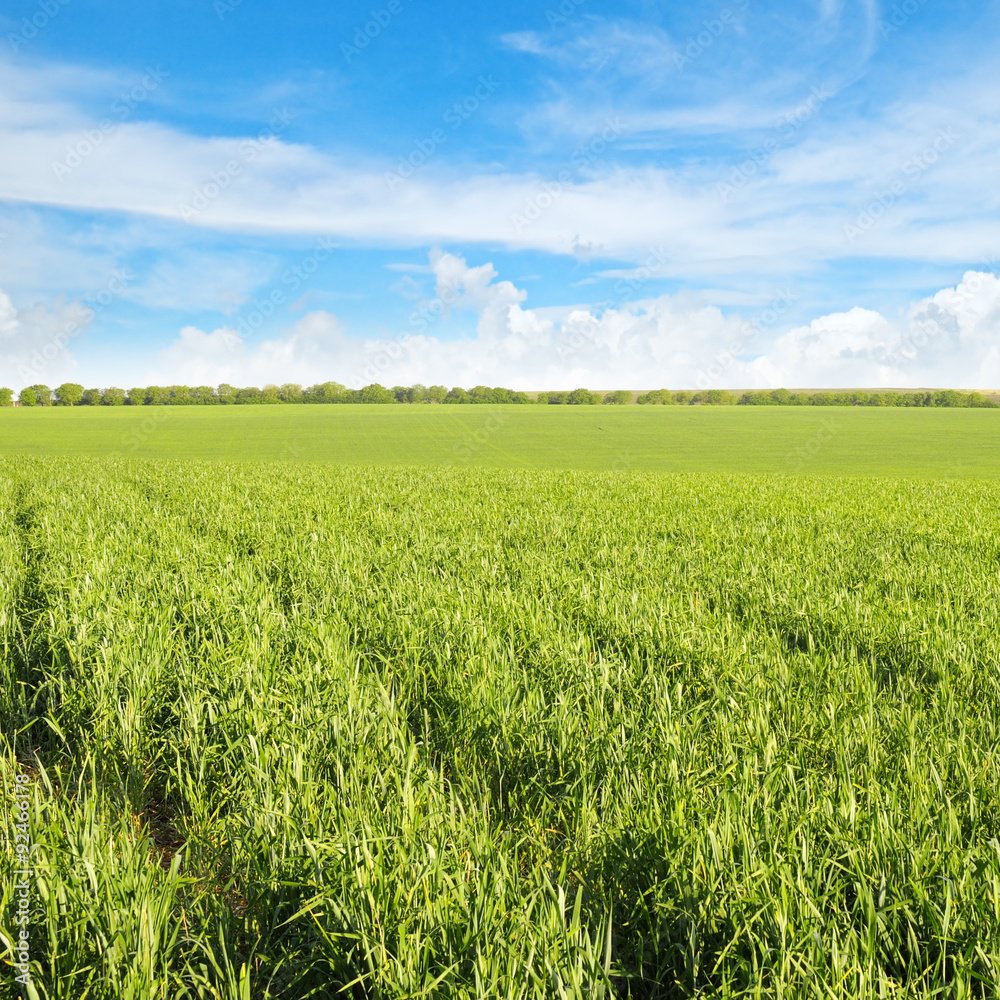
column 207, row 280
column 792, row 210
column 199, row 358
column 630, row 50
column 34, row 341
column 951, row 338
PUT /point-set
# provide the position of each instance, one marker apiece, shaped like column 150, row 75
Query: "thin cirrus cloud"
column 797, row 201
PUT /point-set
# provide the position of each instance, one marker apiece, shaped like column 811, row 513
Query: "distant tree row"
column 777, row 397
column 783, row 397
column 73, row 394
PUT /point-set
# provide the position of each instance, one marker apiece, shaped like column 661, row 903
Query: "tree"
column 617, row 398
column 376, row 393
column 91, row 397
column 581, row 397
column 249, row 395
column 6, row 396
column 204, row 395
column 719, row 397
column 947, row 397
column 457, row 395
column 43, row 395
column 657, row 397
column 27, row 397
column 69, row 394
column 326, row 392
column 157, row 395
column 437, row 393
column 291, row 392
column 137, row 397
column 270, row 394
column 226, row 394
column 483, row 394
column 113, row 396
column 974, row 399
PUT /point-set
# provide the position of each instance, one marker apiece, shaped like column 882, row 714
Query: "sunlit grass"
column 452, row 733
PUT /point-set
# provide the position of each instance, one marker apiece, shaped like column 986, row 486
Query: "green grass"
column 819, row 440
column 313, row 730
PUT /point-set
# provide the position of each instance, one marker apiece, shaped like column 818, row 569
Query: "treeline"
column 73, row 394
column 776, row 397
column 783, row 397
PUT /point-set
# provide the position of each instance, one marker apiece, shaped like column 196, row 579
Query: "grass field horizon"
column 911, row 443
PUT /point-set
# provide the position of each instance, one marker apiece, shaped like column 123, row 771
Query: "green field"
column 821, row 440
column 292, row 730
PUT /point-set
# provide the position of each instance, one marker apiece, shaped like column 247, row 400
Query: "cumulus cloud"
column 34, row 341
column 951, row 338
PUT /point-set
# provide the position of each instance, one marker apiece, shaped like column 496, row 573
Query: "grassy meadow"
column 921, row 443
column 314, row 729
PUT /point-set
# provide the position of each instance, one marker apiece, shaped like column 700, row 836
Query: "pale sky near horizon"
column 549, row 194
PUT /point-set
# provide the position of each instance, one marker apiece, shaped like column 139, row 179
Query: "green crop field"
column 821, row 440
column 297, row 730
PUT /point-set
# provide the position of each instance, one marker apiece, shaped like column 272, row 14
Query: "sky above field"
column 538, row 195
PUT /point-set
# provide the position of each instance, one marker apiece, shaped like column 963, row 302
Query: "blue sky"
column 533, row 194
